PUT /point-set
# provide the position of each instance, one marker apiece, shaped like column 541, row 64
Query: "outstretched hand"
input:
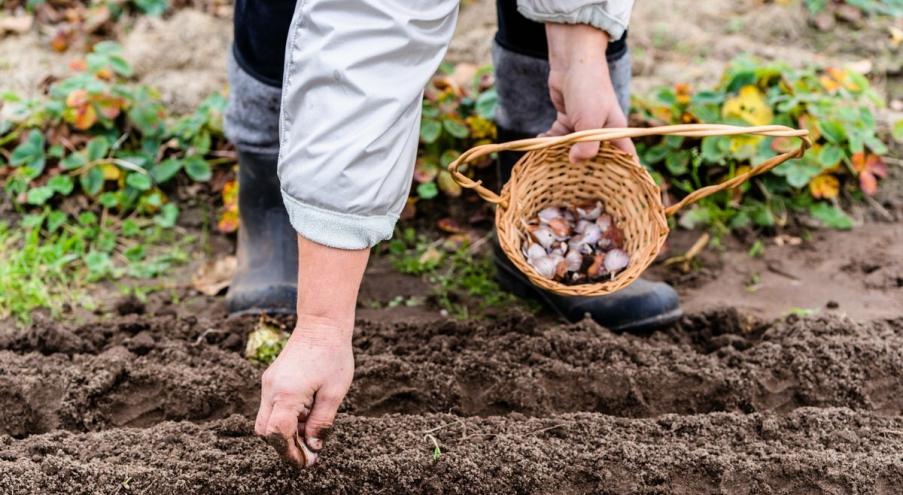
column 302, row 390
column 581, row 87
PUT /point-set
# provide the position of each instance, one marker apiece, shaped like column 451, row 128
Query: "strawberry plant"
column 834, row 104
column 91, row 164
column 458, row 108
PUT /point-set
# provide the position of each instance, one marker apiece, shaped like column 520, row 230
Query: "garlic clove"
column 590, row 211
column 574, row 261
column 544, row 266
column 544, row 236
column 581, row 226
column 616, row 260
column 550, row 213
column 535, row 251
column 604, row 222
column 560, row 228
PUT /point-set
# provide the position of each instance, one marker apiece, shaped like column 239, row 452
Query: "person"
column 327, row 133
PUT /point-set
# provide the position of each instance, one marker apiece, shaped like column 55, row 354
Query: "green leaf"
column 456, row 128
column 198, row 169
column 677, row 162
column 167, row 216
column 91, row 181
column 430, row 130
column 697, row 217
column 487, row 103
column 447, row 157
column 62, row 184
column 141, row 182
column 97, row 148
column 655, row 154
column 130, row 228
column 897, row 131
column 120, row 66
column 830, row 155
column 799, row 172
column 427, row 190
column 165, row 170
column 713, row 149
column 30, row 153
column 55, row 220
column 833, row 131
column 39, row 195
column 830, row 216
column 99, row 265
column 109, row 199
column 73, row 161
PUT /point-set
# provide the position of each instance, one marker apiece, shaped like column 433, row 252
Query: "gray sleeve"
column 611, row 16
column 350, row 122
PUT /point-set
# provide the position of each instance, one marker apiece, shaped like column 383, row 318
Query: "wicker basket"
column 544, row 177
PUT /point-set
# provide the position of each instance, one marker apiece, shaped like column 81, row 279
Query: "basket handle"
column 687, row 130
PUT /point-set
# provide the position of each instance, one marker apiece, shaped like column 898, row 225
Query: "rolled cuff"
column 335, row 229
column 596, row 15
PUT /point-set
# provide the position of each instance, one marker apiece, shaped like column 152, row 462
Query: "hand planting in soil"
column 575, row 244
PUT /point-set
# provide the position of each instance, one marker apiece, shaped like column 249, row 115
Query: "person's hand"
column 581, row 87
column 303, row 387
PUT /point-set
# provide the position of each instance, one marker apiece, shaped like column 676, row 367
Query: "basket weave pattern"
column 544, row 177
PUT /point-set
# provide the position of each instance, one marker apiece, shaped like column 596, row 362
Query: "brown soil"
column 163, row 403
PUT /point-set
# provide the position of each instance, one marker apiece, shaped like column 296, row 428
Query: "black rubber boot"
column 641, row 306
column 266, row 280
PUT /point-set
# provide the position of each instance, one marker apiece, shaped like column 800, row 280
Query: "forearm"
column 328, row 284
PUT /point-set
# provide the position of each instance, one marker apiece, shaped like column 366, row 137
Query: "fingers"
column 626, row 145
column 583, row 151
column 281, row 431
column 558, row 128
column 320, row 420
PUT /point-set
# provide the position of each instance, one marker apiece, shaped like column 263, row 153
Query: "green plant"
column 834, row 104
column 90, row 167
column 462, row 278
column 458, row 107
column 46, row 261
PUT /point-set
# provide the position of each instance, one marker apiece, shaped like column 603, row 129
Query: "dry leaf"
column 214, row 276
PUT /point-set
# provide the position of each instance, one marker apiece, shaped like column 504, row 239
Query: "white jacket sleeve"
column 611, row 16
column 350, row 119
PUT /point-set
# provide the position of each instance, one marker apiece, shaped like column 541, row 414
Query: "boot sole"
column 513, row 284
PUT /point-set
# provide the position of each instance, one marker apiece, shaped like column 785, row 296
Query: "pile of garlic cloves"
column 575, row 244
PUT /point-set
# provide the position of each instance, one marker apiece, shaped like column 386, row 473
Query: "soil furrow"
column 128, row 374
column 824, row 450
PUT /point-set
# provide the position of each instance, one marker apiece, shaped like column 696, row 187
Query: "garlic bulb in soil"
column 575, row 245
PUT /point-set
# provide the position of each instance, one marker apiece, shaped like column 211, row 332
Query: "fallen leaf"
column 896, row 36
column 448, row 185
column 450, row 226
column 214, row 276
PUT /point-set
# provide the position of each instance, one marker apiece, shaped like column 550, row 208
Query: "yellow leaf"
column 447, row 184
column 77, row 98
column 744, row 147
column 110, row 171
column 85, row 117
column 683, row 92
column 824, row 186
column 228, row 222
column 749, row 105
